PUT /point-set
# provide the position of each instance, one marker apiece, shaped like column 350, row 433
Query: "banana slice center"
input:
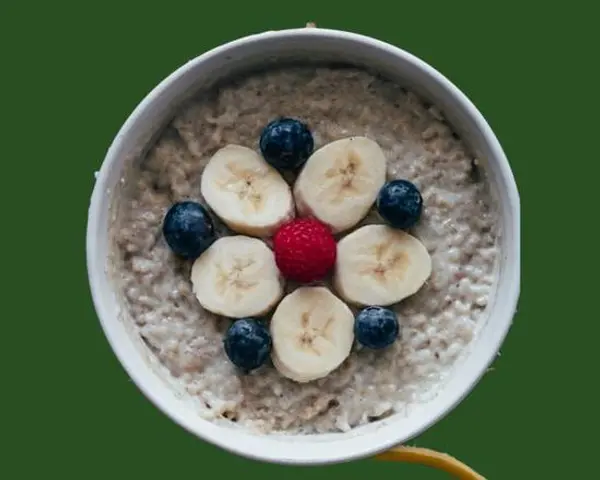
column 345, row 174
column 246, row 183
column 388, row 263
column 234, row 279
column 313, row 337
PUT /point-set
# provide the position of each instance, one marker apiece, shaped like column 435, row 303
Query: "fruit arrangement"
column 311, row 330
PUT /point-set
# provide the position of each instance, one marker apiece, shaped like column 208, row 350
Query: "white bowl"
column 257, row 51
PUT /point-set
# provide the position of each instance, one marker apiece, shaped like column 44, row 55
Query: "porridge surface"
column 458, row 227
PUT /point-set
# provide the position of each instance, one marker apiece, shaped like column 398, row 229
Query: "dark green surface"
column 70, row 75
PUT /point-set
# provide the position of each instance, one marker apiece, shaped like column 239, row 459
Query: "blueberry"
column 286, row 143
column 247, row 343
column 400, row 204
column 376, row 327
column 188, row 229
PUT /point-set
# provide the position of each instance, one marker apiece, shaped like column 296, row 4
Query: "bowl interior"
column 257, row 51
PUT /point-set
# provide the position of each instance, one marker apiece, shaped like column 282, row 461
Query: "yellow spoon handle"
column 430, row 458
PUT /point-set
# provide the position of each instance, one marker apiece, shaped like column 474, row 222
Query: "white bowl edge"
column 364, row 441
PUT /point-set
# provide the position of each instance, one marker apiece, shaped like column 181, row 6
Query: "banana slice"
column 247, row 193
column 340, row 182
column 312, row 332
column 237, row 277
column 378, row 265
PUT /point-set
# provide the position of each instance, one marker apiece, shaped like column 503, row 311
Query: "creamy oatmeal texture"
column 458, row 227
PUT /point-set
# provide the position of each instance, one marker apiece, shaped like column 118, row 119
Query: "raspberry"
column 305, row 250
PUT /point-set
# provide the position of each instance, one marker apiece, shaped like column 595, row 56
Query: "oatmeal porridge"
column 449, row 260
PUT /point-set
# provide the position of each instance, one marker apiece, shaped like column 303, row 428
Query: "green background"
column 72, row 72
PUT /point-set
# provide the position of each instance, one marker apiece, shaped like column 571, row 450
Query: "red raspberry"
column 305, row 250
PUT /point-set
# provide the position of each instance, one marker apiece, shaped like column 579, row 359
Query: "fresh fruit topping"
column 237, row 277
column 247, row 193
column 305, row 250
column 312, row 332
column 339, row 183
column 400, row 204
column 376, row 327
column 247, row 343
column 188, row 229
column 378, row 265
column 286, row 143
